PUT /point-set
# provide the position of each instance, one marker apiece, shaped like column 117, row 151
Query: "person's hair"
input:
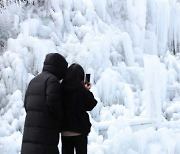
column 75, row 71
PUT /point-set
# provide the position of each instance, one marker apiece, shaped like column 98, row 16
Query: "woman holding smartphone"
column 77, row 100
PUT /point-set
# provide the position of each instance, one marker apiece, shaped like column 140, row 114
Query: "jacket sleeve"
column 53, row 98
column 25, row 97
column 25, row 101
column 89, row 100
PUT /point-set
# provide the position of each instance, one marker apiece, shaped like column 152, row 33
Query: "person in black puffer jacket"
column 43, row 108
column 76, row 100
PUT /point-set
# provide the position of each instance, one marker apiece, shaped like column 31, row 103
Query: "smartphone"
column 87, row 78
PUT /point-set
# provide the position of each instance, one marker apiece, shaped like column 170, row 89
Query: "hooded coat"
column 76, row 101
column 43, row 108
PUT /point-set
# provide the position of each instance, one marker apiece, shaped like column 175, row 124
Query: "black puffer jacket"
column 43, row 107
column 76, row 101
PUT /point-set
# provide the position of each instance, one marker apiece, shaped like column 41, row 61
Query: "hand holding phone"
column 87, row 82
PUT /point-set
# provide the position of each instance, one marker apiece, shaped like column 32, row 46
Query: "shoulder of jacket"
column 52, row 78
column 49, row 75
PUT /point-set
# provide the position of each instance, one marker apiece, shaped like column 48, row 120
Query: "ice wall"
column 114, row 34
column 111, row 39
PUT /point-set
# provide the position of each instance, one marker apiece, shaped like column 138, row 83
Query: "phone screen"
column 87, row 79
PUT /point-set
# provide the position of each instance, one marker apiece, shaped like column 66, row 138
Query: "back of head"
column 75, row 71
column 55, row 64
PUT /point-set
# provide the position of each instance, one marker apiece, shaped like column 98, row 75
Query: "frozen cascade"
column 131, row 48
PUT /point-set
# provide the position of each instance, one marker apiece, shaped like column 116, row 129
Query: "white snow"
column 130, row 48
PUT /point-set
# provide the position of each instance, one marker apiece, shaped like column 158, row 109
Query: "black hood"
column 71, row 85
column 55, row 64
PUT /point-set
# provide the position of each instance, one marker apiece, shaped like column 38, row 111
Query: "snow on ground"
column 126, row 45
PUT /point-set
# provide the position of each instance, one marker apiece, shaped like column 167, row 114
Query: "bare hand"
column 87, row 86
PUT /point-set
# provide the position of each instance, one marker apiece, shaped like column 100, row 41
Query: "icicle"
column 155, row 87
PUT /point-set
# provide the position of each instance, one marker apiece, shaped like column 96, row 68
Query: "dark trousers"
column 69, row 143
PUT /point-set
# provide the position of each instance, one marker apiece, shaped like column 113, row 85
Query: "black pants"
column 69, row 143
